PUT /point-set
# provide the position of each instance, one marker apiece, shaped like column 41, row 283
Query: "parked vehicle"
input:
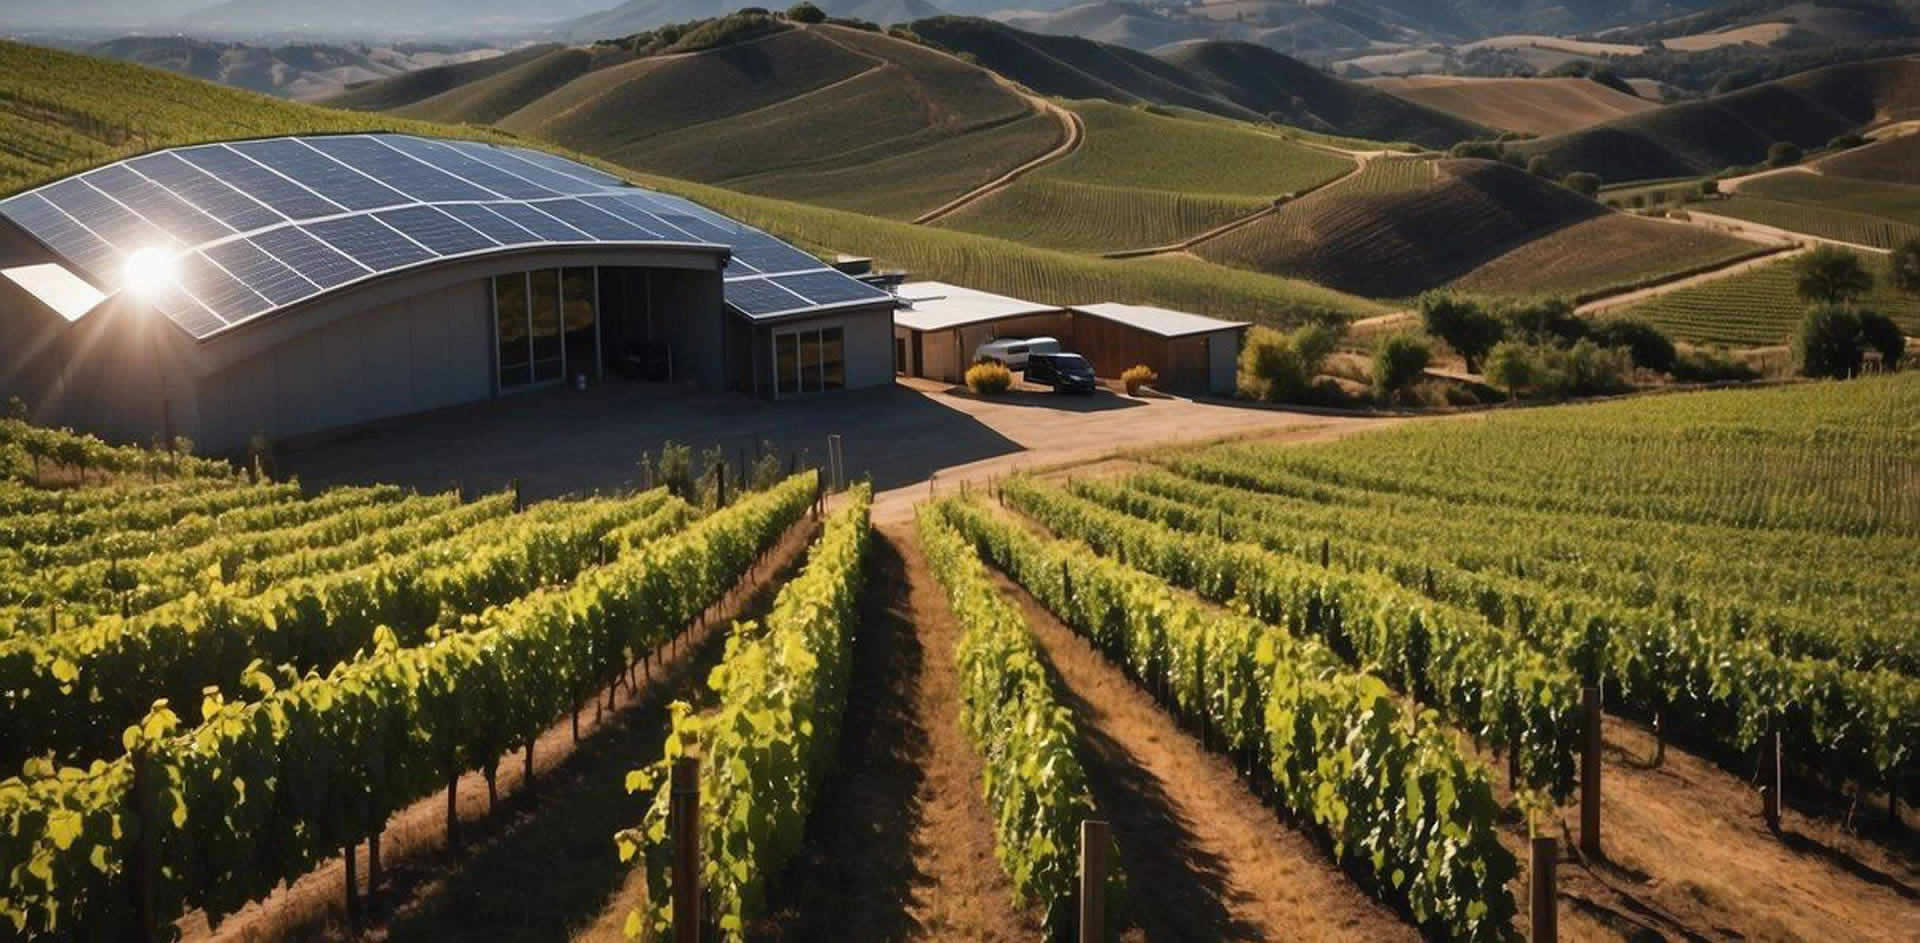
column 1014, row 351
column 1066, row 373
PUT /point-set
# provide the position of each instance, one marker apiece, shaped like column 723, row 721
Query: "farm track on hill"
column 1360, row 161
column 1074, row 130
column 433, row 894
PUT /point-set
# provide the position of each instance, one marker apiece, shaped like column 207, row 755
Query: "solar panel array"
column 255, row 226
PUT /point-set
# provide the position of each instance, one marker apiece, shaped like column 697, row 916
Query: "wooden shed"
column 937, row 327
column 1192, row 353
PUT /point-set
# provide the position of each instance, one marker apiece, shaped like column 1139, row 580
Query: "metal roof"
column 936, row 306
column 219, row 235
column 1159, row 321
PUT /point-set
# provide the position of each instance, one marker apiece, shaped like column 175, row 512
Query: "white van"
column 1013, row 351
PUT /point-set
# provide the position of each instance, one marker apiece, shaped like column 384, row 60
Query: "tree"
column 1399, row 362
column 1511, row 367
column 1783, row 153
column 1906, row 266
column 804, row 12
column 1831, row 275
column 1463, row 324
column 1643, row 342
column 1280, row 367
column 1538, row 166
column 1582, row 183
column 1541, row 320
column 1880, row 333
column 1828, row 343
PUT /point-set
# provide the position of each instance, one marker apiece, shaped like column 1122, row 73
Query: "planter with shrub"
column 1137, row 376
column 989, row 378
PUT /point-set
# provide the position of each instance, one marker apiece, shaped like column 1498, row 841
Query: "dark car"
column 1066, row 373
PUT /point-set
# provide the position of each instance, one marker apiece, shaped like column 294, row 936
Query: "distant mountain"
column 1233, row 79
column 637, row 16
column 1798, row 21
column 303, row 72
column 380, row 18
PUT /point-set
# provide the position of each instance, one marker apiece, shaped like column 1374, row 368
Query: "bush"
column 1643, row 342
column 1828, row 342
column 1783, row 154
column 1512, row 367
column 1280, row 368
column 1541, row 320
column 674, row 471
column 1538, row 166
column 1398, row 362
column 1831, row 275
column 1845, row 142
column 1588, row 369
column 1462, row 323
column 1137, row 376
column 1581, row 182
column 1878, row 332
column 989, row 378
column 804, row 12
column 1710, row 365
column 1485, row 150
column 1906, row 266
column 1709, row 187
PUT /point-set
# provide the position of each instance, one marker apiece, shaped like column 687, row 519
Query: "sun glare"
column 149, row 270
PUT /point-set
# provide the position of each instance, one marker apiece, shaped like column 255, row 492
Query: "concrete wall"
column 868, row 338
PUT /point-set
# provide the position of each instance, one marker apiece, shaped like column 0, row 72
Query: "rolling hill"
column 1532, row 106
column 637, row 16
column 1702, row 137
column 377, row 18
column 304, row 71
column 1235, row 80
column 425, row 83
column 1893, row 160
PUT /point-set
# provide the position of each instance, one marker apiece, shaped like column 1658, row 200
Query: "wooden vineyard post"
column 373, row 867
column 145, row 863
column 453, row 810
column 683, row 823
column 353, row 888
column 1543, row 909
column 1094, row 842
column 1590, row 774
column 1771, row 791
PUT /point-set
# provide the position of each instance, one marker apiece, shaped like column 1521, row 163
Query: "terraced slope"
column 1759, row 307
column 1142, row 179
column 1533, row 106
column 1604, row 253
column 1706, row 136
column 1862, row 212
column 1895, row 160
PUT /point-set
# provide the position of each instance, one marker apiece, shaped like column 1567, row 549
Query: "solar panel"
column 191, row 315
column 108, row 219
column 157, row 205
column 368, row 241
column 638, row 217
column 88, row 252
column 436, row 230
column 759, row 297
column 214, row 198
column 322, row 174
column 698, row 228
column 399, row 171
column 539, row 223
column 735, row 268
column 491, row 224
column 283, row 196
column 830, row 287
column 526, row 170
column 596, row 223
column 221, row 293
column 573, row 169
column 460, row 165
column 316, row 261
column 261, row 272
column 775, row 257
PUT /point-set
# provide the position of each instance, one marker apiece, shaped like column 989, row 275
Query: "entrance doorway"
column 809, row 360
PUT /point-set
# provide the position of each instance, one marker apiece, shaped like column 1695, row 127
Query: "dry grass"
column 1535, row 106
column 1604, row 253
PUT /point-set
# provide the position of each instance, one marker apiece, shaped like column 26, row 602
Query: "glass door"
column 548, row 354
column 510, row 327
column 809, row 361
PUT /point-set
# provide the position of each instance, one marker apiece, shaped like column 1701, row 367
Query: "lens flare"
column 149, row 271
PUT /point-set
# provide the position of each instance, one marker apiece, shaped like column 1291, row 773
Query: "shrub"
column 1588, row 369
column 1280, row 367
column 1643, row 342
column 1828, row 342
column 1512, row 367
column 1709, row 365
column 1462, row 323
column 1541, row 320
column 989, row 378
column 675, row 470
column 1137, row 376
column 1783, row 154
column 1582, row 182
column 1398, row 362
column 1538, row 166
column 1878, row 332
column 1485, row 150
column 1709, row 187
column 1845, row 142
column 1831, row 275
column 1905, row 265
column 804, row 12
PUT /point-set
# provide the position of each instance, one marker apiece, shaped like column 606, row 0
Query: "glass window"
column 577, row 302
column 510, row 321
column 546, row 325
column 786, row 363
column 833, row 359
column 809, row 361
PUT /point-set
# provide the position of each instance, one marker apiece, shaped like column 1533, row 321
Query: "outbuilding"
column 938, row 326
column 1191, row 353
column 288, row 286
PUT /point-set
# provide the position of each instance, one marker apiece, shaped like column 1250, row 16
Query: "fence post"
column 1094, row 842
column 1543, row 910
column 1771, row 790
column 1590, row 774
column 145, row 857
column 683, row 823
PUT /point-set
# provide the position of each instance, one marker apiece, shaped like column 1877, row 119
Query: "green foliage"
column 1539, row 166
column 1580, row 182
column 1783, row 154
column 82, row 455
column 1649, row 348
column 1582, row 369
column 770, row 741
column 697, row 35
column 1398, row 362
column 674, row 471
column 1289, row 705
column 1830, row 275
column 1036, row 790
column 804, row 12
column 989, row 378
column 1540, row 320
column 1462, row 323
column 1277, row 367
column 1878, row 332
column 1513, row 367
column 1484, row 150
column 1905, row 266
column 1760, row 307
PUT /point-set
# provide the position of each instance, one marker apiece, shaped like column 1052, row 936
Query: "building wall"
column 867, row 334
column 1223, row 355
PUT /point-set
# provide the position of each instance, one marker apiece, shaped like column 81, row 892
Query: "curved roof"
column 253, row 227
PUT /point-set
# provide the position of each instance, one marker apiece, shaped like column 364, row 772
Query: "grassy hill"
column 1760, row 307
column 1143, row 179
column 61, row 113
column 1864, row 212
column 1737, row 128
column 1532, row 106
column 1235, row 80
column 1406, row 225
column 402, row 90
column 1894, row 160
column 300, row 71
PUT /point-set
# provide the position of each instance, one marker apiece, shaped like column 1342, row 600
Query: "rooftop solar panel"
column 191, row 315
column 525, row 170
column 539, row 223
column 369, row 241
column 831, row 288
column 316, row 261
column 776, row 258
column 599, row 224
column 303, row 164
column 261, row 272
column 467, row 168
column 157, row 205
column 278, row 193
column 88, row 252
column 436, row 230
column 108, row 219
column 213, row 197
column 399, row 171
column 493, row 225
column 223, row 294
column 758, row 297
column 574, row 169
